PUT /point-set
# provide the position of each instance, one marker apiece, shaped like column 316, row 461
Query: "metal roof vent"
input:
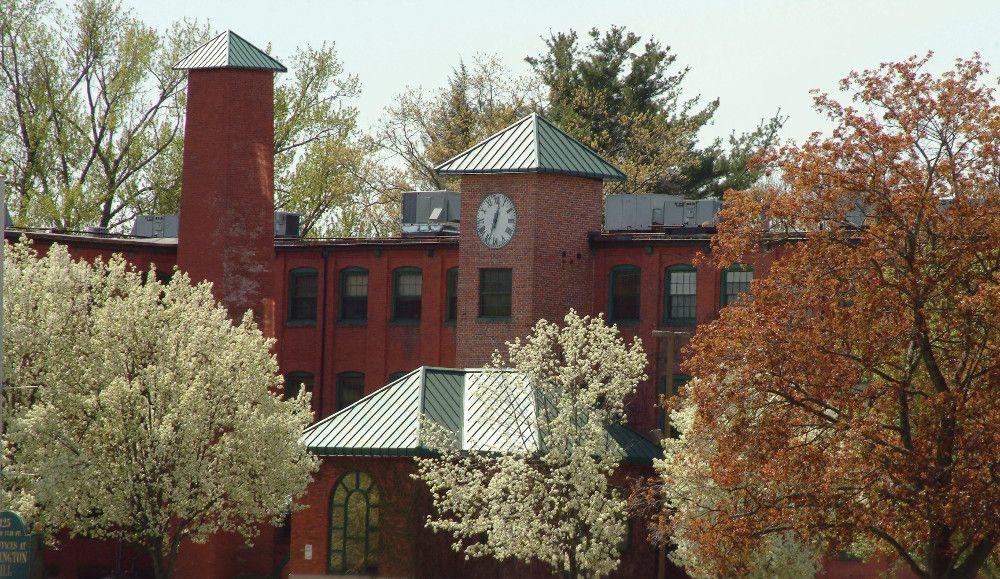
column 98, row 231
column 286, row 224
column 431, row 213
column 154, row 226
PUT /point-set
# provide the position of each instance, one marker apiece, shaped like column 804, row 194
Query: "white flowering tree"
column 550, row 499
column 690, row 497
column 138, row 411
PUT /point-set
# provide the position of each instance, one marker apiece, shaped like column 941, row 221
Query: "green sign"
column 15, row 546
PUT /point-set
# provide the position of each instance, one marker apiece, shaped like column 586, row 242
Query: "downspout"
column 322, row 333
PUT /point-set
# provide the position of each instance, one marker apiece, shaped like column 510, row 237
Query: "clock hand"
column 496, row 216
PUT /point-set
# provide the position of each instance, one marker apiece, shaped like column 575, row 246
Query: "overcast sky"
column 755, row 56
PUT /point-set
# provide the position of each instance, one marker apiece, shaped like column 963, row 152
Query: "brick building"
column 528, row 236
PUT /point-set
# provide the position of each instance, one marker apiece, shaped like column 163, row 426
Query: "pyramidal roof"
column 483, row 410
column 229, row 50
column 531, row 145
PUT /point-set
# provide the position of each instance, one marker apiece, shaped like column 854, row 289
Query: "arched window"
column 302, row 291
column 735, row 282
column 296, row 382
column 407, row 292
column 623, row 306
column 354, row 517
column 350, row 389
column 680, row 297
column 353, row 294
column 451, row 295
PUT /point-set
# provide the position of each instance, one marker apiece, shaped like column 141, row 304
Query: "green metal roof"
column 531, row 145
column 229, row 50
column 487, row 410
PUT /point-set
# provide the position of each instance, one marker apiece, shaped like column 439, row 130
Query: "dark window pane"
column 451, row 295
column 677, row 382
column 735, row 283
column 296, row 382
column 625, row 294
column 681, row 306
column 397, row 375
column 354, row 295
column 350, row 389
column 164, row 277
column 494, row 292
column 302, row 291
column 407, row 292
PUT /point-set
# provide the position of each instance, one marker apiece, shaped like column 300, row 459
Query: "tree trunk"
column 158, row 567
column 163, row 563
column 574, row 569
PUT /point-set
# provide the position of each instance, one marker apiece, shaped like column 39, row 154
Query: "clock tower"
column 530, row 195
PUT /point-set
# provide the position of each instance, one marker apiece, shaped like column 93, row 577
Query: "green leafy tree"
column 88, row 102
column 92, row 117
column 720, row 169
column 624, row 99
column 424, row 129
column 325, row 168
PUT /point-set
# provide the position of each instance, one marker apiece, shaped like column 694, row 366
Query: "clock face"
column 496, row 220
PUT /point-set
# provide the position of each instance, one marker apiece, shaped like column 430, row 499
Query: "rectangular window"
column 302, row 292
column 296, row 382
column 451, row 295
column 354, row 295
column 677, row 382
column 407, row 293
column 682, row 298
column 494, row 292
column 350, row 389
column 624, row 306
column 735, row 282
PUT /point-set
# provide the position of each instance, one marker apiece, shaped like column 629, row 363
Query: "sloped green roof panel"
column 387, row 419
column 229, row 50
column 531, row 145
column 486, row 410
column 442, row 399
column 500, row 413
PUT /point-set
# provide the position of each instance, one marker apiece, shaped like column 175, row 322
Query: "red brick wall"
column 549, row 255
column 653, row 259
column 227, row 193
column 162, row 258
column 408, row 548
column 378, row 347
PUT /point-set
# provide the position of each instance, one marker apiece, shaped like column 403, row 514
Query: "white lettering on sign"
column 309, row 552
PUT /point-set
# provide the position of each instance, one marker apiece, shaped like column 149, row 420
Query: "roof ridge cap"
column 534, row 135
column 421, row 405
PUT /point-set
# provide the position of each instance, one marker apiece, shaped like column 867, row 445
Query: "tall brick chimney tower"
column 530, row 194
column 226, row 231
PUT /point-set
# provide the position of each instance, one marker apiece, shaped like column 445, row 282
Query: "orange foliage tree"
column 853, row 396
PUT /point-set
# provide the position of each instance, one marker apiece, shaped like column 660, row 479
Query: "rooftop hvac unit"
column 431, row 212
column 154, row 226
column 286, row 224
column 628, row 212
column 644, row 212
column 681, row 212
